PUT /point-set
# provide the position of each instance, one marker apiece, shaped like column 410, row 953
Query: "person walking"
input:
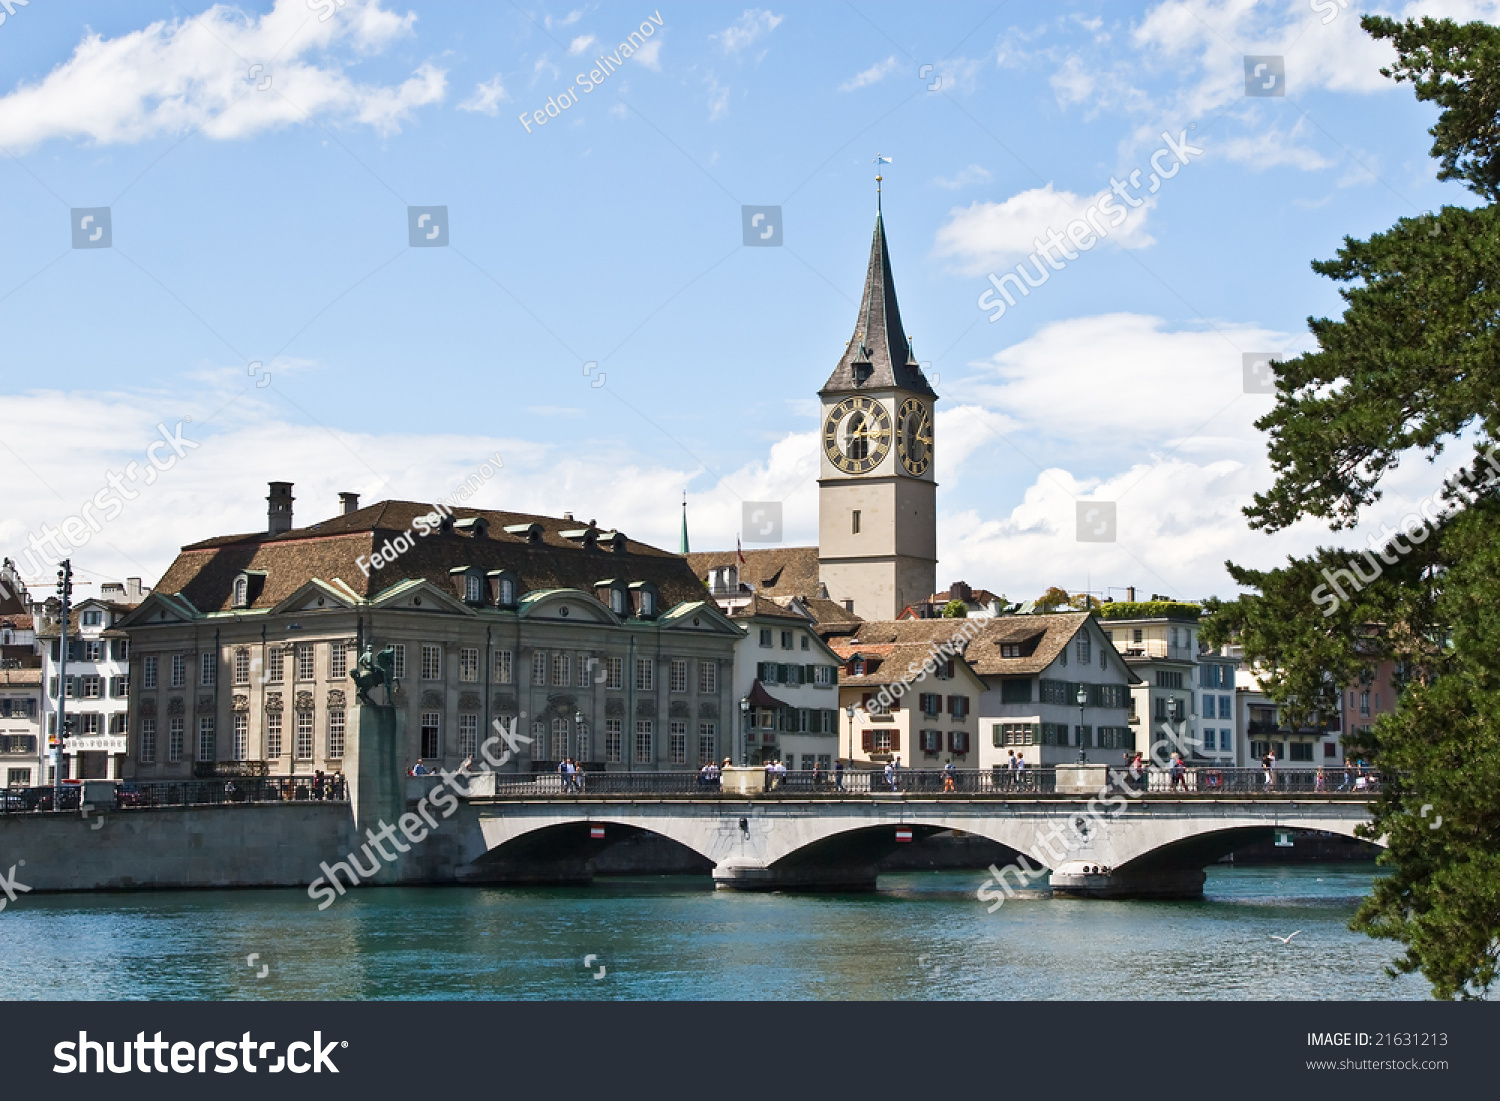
column 896, row 773
column 838, row 775
column 948, row 771
column 890, row 776
column 1178, row 772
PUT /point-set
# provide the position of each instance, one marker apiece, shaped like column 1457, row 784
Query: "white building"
column 786, row 682
column 97, row 685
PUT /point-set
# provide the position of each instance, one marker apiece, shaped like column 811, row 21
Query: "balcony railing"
column 179, row 793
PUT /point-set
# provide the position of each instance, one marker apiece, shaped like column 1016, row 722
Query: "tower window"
column 855, row 528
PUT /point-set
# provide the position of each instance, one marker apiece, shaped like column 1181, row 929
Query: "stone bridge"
column 1103, row 846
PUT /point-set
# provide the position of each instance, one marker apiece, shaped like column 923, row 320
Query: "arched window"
column 648, row 603
column 473, row 589
column 617, row 601
column 507, row 590
column 241, row 591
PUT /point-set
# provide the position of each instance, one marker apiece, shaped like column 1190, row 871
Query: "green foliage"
column 1411, row 366
column 955, row 609
column 1148, row 609
column 1053, row 599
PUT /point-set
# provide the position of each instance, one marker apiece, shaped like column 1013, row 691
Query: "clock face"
column 914, row 437
column 857, row 435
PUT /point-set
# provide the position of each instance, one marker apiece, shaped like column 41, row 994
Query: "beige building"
column 786, row 682
column 930, row 719
column 600, row 648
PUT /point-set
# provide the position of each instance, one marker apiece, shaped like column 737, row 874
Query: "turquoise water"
column 923, row 935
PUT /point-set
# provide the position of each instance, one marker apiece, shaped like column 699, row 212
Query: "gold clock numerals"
column 857, row 435
column 914, row 437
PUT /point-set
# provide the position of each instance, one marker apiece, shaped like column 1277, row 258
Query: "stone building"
column 602, row 648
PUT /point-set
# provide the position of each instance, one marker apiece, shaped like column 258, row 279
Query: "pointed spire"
column 684, row 549
column 879, row 349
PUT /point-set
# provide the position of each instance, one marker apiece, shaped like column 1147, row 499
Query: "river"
column 921, row 936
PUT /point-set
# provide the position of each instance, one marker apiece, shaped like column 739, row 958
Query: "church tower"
column 877, row 497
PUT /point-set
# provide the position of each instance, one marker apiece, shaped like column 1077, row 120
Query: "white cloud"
column 1274, row 147
column 566, row 21
column 582, row 44
column 649, row 55
column 754, row 24
column 718, row 98
column 873, row 75
column 986, row 235
column 177, row 75
column 964, row 177
column 486, row 97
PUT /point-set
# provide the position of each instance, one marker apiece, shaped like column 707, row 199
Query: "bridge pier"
column 1086, row 879
column 738, row 874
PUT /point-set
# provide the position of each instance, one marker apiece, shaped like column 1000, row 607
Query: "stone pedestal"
column 741, row 874
column 1089, row 879
column 377, row 781
column 736, row 780
column 1084, row 779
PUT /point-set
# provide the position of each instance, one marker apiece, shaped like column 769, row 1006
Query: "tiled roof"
column 780, row 571
column 1050, row 633
column 831, row 616
column 765, row 607
column 204, row 572
column 900, row 663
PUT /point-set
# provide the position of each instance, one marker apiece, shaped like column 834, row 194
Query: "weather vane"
column 879, row 160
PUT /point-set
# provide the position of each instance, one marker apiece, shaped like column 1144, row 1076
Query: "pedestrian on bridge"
column 838, row 774
column 948, row 771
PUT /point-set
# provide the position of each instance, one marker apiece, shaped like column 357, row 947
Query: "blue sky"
column 267, row 226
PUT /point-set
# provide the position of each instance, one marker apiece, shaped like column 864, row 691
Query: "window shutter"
column 809, row 674
column 895, row 741
column 867, row 740
column 52, row 684
column 56, row 648
column 952, row 741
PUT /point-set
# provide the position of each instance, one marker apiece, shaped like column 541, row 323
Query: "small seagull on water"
column 1286, row 939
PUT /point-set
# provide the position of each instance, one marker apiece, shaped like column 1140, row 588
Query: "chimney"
column 348, row 502
column 568, row 516
column 1130, row 594
column 960, row 591
column 279, row 508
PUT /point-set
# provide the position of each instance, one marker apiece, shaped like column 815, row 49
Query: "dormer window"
column 862, row 373
column 477, row 526
column 241, row 592
column 247, row 587
column 507, row 591
column 468, row 583
column 643, row 594
column 506, row 587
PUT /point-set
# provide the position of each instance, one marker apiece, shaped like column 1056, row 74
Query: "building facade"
column 1161, row 649
column 598, row 648
column 786, row 685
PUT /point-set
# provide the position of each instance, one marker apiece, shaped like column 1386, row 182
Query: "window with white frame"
column 432, row 662
column 398, row 660
column 148, row 671
column 612, row 729
column 92, row 618
column 582, row 750
column 273, row 735
column 561, row 674
column 708, row 743
column 338, row 660
column 336, row 734
column 275, row 664
column 93, row 650
column 468, row 664
column 468, row 734
column 91, row 723
column 303, row 741
column 239, row 737
column 559, row 739
column 643, row 742
column 179, row 670
column 539, row 669
column 92, row 687
column 679, row 675
column 1084, row 654
column 538, row 736
column 614, row 673
column 503, row 671
column 585, row 671
column 473, row 589
column 207, row 750
column 174, row 739
column 507, row 591
column 148, row 742
column 645, row 675
column 241, row 665
column 207, row 664
column 677, row 743
column 708, row 677
column 306, row 661
column 432, row 734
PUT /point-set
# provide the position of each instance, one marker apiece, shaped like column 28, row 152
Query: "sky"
column 588, row 319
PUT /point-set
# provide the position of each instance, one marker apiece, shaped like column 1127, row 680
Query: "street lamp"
column 582, row 731
column 1083, row 699
column 741, row 756
column 849, row 710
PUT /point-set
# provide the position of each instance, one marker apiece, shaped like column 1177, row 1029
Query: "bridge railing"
column 996, row 782
column 179, row 793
